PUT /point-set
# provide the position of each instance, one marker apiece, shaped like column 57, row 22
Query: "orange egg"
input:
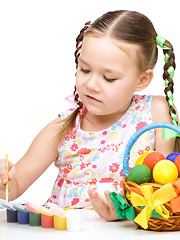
column 152, row 158
column 141, row 158
column 177, row 163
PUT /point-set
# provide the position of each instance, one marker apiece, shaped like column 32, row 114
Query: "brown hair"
column 131, row 27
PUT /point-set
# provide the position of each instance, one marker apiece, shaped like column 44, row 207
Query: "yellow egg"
column 164, row 172
column 141, row 158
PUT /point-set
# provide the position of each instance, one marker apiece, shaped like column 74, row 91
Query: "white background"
column 37, row 44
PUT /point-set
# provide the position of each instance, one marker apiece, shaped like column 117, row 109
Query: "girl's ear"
column 145, row 79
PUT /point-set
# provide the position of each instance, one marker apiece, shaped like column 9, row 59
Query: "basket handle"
column 138, row 134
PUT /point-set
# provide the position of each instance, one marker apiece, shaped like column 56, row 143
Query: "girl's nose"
column 93, row 84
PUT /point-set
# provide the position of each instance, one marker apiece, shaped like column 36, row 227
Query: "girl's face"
column 107, row 75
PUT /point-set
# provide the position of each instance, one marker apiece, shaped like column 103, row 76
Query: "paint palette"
column 48, row 216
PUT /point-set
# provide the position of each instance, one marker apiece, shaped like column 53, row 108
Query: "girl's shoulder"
column 160, row 113
column 160, row 109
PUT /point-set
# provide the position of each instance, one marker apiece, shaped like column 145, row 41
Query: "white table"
column 94, row 228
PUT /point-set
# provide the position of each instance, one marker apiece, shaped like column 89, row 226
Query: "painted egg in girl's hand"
column 102, row 187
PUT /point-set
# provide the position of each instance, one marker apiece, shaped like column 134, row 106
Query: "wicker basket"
column 156, row 224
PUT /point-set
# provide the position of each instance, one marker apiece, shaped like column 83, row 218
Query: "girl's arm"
column 42, row 152
column 160, row 113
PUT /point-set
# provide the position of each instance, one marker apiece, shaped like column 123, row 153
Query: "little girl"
column 115, row 58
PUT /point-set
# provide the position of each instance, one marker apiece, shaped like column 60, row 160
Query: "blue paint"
column 23, row 217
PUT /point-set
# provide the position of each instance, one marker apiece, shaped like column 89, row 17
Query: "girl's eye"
column 109, row 79
column 84, row 70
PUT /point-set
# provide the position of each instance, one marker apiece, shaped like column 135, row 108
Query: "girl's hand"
column 106, row 211
column 4, row 177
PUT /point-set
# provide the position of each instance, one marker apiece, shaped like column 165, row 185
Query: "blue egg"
column 172, row 156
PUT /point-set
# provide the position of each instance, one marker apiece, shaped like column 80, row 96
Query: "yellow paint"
column 60, row 223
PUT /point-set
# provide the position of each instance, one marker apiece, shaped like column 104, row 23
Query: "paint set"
column 48, row 216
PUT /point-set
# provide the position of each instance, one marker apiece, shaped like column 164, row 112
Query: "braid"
column 79, row 40
column 76, row 99
column 68, row 123
column 168, row 75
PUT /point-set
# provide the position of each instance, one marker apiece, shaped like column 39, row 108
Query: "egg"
column 177, row 163
column 164, row 172
column 172, row 156
column 141, row 158
column 140, row 174
column 152, row 158
column 102, row 187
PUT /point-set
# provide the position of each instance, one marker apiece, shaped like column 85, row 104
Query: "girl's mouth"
column 90, row 98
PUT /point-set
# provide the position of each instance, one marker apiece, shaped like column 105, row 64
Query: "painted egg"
column 141, row 158
column 172, row 156
column 164, row 172
column 152, row 158
column 140, row 174
column 177, row 163
column 102, row 187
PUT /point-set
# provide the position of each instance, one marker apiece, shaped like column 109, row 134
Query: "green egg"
column 140, row 174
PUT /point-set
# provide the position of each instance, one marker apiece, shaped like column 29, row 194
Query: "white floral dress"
column 87, row 158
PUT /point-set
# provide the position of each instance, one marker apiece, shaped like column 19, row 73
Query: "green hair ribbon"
column 160, row 42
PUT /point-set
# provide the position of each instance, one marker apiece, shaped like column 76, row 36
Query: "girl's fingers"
column 12, row 172
column 106, row 211
column 109, row 202
column 3, row 171
column 112, row 210
column 93, row 195
column 98, row 204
